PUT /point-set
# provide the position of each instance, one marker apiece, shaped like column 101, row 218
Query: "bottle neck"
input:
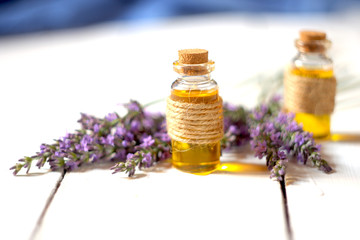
column 195, row 79
column 322, row 54
column 192, row 72
column 312, row 47
column 312, row 59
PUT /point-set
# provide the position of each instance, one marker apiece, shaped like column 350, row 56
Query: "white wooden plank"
column 23, row 129
column 168, row 204
column 23, row 199
column 26, row 122
column 327, row 206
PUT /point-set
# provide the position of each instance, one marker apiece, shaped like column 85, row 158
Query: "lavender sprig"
column 106, row 139
column 148, row 152
column 276, row 136
column 236, row 130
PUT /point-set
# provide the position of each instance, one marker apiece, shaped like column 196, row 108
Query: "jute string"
column 309, row 95
column 197, row 123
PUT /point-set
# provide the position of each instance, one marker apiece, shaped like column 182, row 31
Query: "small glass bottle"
column 194, row 85
column 311, row 61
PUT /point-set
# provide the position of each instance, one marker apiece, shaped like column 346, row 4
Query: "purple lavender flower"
column 269, row 127
column 125, row 143
column 96, row 128
column 147, row 142
column 148, row 121
column 230, row 107
column 40, row 162
column 299, row 139
column 110, row 140
column 71, row 165
column 119, row 167
column 233, row 130
column 276, row 138
column 78, row 147
column 236, row 131
column 131, row 163
column 111, row 117
column 282, row 154
column 255, row 132
column 164, row 154
column 65, row 144
column 147, row 159
column 120, row 154
column 260, row 148
column 87, row 122
column 130, row 156
column 93, row 157
column 300, row 157
column 261, row 112
column 293, row 127
column 129, row 136
column 276, row 99
column 133, row 106
column 85, row 141
column 163, row 137
column 17, row 167
column 135, row 125
column 120, row 131
column 282, row 118
column 54, row 163
column 325, row 167
column 43, row 148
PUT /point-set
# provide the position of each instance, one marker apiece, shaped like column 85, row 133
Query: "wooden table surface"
column 47, row 79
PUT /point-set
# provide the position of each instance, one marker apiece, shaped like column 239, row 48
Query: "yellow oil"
column 198, row 159
column 236, row 167
column 319, row 125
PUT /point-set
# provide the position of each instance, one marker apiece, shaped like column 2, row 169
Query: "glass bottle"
column 311, row 61
column 194, row 85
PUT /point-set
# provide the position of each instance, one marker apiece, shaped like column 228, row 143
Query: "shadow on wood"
column 92, row 166
column 159, row 167
column 35, row 174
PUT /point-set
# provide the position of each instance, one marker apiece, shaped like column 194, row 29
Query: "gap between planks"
column 47, row 205
column 286, row 210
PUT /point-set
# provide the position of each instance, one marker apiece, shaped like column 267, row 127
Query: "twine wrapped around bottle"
column 196, row 123
column 309, row 95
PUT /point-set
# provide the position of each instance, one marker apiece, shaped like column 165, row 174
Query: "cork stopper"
column 312, row 41
column 193, row 56
column 307, row 36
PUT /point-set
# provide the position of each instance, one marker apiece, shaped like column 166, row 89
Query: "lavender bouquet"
column 276, row 136
column 139, row 140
